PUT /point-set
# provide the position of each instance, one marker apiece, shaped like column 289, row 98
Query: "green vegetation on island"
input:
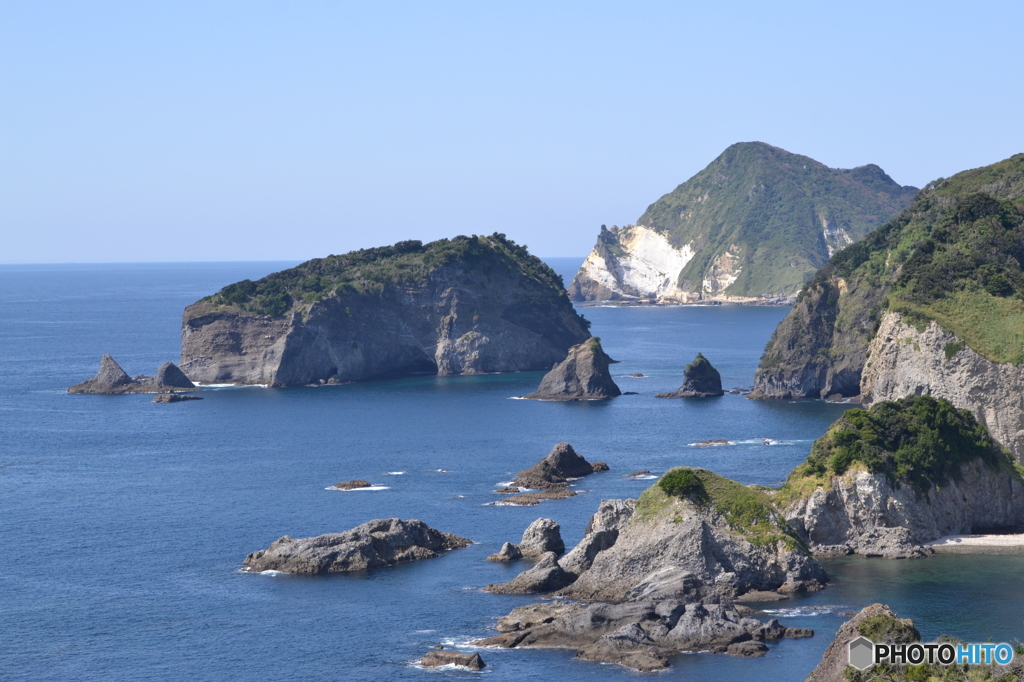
column 781, row 214
column 918, row 441
column 749, row 511
column 368, row 271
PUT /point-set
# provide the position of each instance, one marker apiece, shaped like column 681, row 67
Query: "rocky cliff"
column 953, row 258
column 885, row 481
column 905, row 361
column 748, row 228
column 583, row 375
column 468, row 305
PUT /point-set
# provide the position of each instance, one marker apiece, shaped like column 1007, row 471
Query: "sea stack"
column 700, row 380
column 112, row 379
column 583, row 375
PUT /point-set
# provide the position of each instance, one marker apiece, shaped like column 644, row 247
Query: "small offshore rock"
column 700, row 380
column 642, row 472
column 508, row 552
column 173, row 398
column 507, row 490
column 540, row 537
column 561, row 464
column 583, row 375
column 796, row 633
column 352, row 485
column 435, row 659
column 638, row 375
column 374, row 544
column 112, row 379
column 531, row 499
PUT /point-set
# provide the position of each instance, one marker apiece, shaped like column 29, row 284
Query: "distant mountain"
column 756, row 223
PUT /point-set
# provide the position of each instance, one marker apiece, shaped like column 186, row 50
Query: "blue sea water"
column 123, row 523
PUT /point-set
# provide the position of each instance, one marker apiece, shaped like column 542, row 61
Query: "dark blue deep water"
column 123, row 524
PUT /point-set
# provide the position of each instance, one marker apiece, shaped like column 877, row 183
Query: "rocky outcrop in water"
column 374, row 544
column 583, row 375
column 173, row 398
column 469, row 305
column 540, row 537
column 700, row 380
column 112, row 379
column 660, row 575
column 555, row 470
column 879, row 624
column 436, row 659
column 748, row 228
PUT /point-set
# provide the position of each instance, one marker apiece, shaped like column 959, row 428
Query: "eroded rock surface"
column 583, row 375
column 700, row 380
column 374, row 544
column 112, row 379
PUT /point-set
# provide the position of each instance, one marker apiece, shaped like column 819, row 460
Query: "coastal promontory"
column 468, row 305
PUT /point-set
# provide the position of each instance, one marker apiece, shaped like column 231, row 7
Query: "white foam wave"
column 748, row 441
column 644, row 477
column 518, row 397
column 273, row 573
column 804, row 611
column 232, row 385
column 504, row 484
column 395, row 473
column 353, row 490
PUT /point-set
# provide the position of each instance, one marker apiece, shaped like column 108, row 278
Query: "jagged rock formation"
column 112, row 379
column 636, row 560
column 540, row 537
column 876, row 622
column 700, row 380
column 374, row 544
column 748, row 228
column 435, row 659
column 555, row 470
column 583, row 375
column 950, row 268
column 886, row 481
column 468, row 305
column 903, row 361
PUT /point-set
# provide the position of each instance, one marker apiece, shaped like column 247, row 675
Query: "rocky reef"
column 374, row 544
column 436, row 659
column 173, row 398
column 659, row 575
column 927, row 304
column 468, row 305
column 886, row 481
column 583, row 375
column 549, row 478
column 748, row 228
column 700, row 380
column 112, row 379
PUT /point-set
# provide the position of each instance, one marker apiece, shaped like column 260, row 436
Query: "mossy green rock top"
column 467, row 305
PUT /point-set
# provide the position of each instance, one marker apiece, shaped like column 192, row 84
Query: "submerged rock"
column 173, row 398
column 112, row 379
column 700, row 380
column 374, row 544
column 583, row 375
column 352, row 485
column 435, row 659
column 508, row 552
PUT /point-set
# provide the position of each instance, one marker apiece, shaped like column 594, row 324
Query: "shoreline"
column 979, row 544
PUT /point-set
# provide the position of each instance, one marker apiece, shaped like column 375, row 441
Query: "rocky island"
column 748, row 228
column 886, row 481
column 467, row 305
column 583, row 375
column 930, row 303
column 700, row 380
column 374, row 544
column 112, row 379
column 658, row 576
column 549, row 478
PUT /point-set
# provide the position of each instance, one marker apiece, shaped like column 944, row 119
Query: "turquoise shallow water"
column 124, row 523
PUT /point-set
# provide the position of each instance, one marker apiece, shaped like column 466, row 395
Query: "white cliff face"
column 723, row 271
column 904, row 362
column 649, row 266
column 864, row 513
column 836, row 238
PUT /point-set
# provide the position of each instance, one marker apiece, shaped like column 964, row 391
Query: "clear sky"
column 198, row 131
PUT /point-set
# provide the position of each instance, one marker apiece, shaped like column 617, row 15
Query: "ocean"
column 123, row 523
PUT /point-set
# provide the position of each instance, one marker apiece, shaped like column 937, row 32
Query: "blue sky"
column 289, row 130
